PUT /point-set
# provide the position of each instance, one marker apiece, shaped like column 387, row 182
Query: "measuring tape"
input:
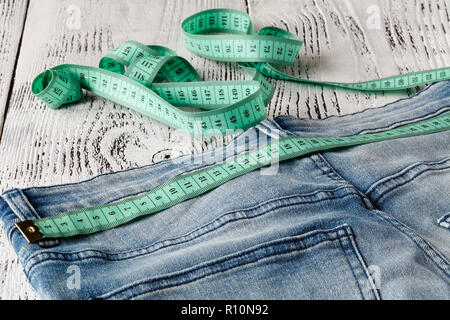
column 156, row 82
column 190, row 185
column 229, row 105
column 272, row 47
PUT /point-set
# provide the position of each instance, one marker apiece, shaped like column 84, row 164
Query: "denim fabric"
column 364, row 222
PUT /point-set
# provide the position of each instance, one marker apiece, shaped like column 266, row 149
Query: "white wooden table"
column 345, row 40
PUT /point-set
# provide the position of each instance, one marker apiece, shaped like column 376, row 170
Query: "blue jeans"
column 364, row 222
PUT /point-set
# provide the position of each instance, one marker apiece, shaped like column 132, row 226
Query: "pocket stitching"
column 296, row 243
column 40, row 257
column 379, row 189
column 360, row 267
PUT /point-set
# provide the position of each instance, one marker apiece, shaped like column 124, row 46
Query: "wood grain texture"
column 41, row 146
column 12, row 18
column 346, row 41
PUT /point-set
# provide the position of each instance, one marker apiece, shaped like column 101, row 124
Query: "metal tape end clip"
column 29, row 230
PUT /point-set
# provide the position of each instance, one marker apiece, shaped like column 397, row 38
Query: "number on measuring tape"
column 154, row 81
column 187, row 186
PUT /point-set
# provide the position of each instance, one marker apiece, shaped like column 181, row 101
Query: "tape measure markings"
column 274, row 45
column 187, row 186
column 150, row 65
column 248, row 110
column 246, row 105
column 156, row 82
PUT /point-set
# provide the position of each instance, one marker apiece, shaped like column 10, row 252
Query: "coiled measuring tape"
column 229, row 105
column 156, row 82
column 190, row 185
column 273, row 47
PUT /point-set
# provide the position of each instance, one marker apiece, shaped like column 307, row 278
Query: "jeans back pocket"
column 323, row 264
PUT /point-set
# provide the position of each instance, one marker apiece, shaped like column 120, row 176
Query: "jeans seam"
column 40, row 257
column 374, row 290
column 391, row 125
column 402, row 173
column 241, row 253
column 422, row 244
column 331, row 172
column 381, row 196
column 277, row 127
column 428, row 250
column 10, row 199
column 405, row 121
column 388, row 104
column 201, row 166
column 357, row 266
column 168, row 175
column 351, row 268
column 377, row 108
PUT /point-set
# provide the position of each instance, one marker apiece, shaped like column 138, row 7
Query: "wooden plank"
column 12, row 17
column 351, row 41
column 41, row 146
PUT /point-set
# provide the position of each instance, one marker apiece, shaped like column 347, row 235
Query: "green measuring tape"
column 229, row 105
column 191, row 185
column 273, row 46
column 156, row 82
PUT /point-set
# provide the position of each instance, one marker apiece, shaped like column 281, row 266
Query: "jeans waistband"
column 429, row 102
column 32, row 202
